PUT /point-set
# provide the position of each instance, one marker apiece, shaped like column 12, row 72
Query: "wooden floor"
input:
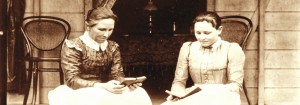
column 14, row 99
column 17, row 99
column 157, row 98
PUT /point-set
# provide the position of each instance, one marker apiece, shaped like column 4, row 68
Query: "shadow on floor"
column 157, row 97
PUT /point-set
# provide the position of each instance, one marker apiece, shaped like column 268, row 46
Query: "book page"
column 192, row 90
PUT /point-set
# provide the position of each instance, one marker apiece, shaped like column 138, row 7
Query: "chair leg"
column 61, row 77
column 246, row 93
column 28, row 84
column 35, row 83
column 35, row 86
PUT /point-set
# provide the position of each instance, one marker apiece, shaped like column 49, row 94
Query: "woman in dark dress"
column 93, row 70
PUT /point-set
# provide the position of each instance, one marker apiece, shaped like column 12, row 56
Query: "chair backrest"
column 45, row 33
column 236, row 29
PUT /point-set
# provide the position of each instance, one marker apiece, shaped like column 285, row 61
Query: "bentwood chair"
column 44, row 36
column 237, row 29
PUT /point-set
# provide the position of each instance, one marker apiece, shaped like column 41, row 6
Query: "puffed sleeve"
column 181, row 72
column 71, row 58
column 116, row 69
column 236, row 60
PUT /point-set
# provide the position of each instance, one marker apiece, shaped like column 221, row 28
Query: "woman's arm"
column 71, row 63
column 235, row 67
column 181, row 73
column 116, row 69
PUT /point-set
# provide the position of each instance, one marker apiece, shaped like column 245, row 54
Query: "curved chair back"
column 236, row 29
column 45, row 33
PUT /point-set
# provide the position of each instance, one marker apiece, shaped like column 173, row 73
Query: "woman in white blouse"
column 215, row 65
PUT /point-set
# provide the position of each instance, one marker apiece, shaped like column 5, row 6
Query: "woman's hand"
column 111, row 86
column 172, row 98
column 134, row 86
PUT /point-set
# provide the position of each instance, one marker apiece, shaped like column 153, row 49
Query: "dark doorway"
column 3, row 46
column 171, row 16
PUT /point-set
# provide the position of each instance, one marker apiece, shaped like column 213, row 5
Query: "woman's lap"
column 95, row 96
column 212, row 96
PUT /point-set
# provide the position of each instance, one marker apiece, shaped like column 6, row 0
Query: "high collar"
column 92, row 43
column 214, row 46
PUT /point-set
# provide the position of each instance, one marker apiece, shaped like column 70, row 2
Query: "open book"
column 131, row 80
column 192, row 90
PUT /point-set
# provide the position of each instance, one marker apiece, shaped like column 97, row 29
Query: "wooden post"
column 261, row 52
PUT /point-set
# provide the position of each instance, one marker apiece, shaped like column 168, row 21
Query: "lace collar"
column 92, row 43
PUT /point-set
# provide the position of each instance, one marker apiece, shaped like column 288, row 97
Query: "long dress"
column 217, row 70
column 85, row 62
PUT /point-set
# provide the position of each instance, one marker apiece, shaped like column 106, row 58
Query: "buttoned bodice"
column 222, row 64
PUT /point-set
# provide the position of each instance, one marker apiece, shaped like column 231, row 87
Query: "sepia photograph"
column 149, row 52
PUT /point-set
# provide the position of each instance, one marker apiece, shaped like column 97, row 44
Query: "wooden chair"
column 237, row 29
column 44, row 36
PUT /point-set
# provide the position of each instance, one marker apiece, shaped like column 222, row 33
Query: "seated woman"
column 92, row 68
column 215, row 65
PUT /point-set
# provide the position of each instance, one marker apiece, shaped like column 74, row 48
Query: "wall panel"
column 241, row 13
column 44, row 95
column 62, row 6
column 282, row 78
column 253, row 42
column 49, row 79
column 251, row 77
column 76, row 20
column 236, row 5
column 251, row 59
column 252, row 95
column 284, row 5
column 75, row 34
column 282, row 96
column 284, row 21
column 280, row 59
column 29, row 6
column 282, row 25
column 282, row 40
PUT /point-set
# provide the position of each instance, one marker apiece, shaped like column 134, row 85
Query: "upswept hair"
column 99, row 13
column 211, row 17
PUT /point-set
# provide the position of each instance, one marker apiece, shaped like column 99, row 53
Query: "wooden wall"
column 281, row 46
column 282, row 52
column 281, row 49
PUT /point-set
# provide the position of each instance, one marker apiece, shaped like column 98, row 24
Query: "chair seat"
column 49, row 69
column 37, row 59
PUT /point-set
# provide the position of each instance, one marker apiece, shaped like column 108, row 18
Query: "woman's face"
column 205, row 33
column 102, row 30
